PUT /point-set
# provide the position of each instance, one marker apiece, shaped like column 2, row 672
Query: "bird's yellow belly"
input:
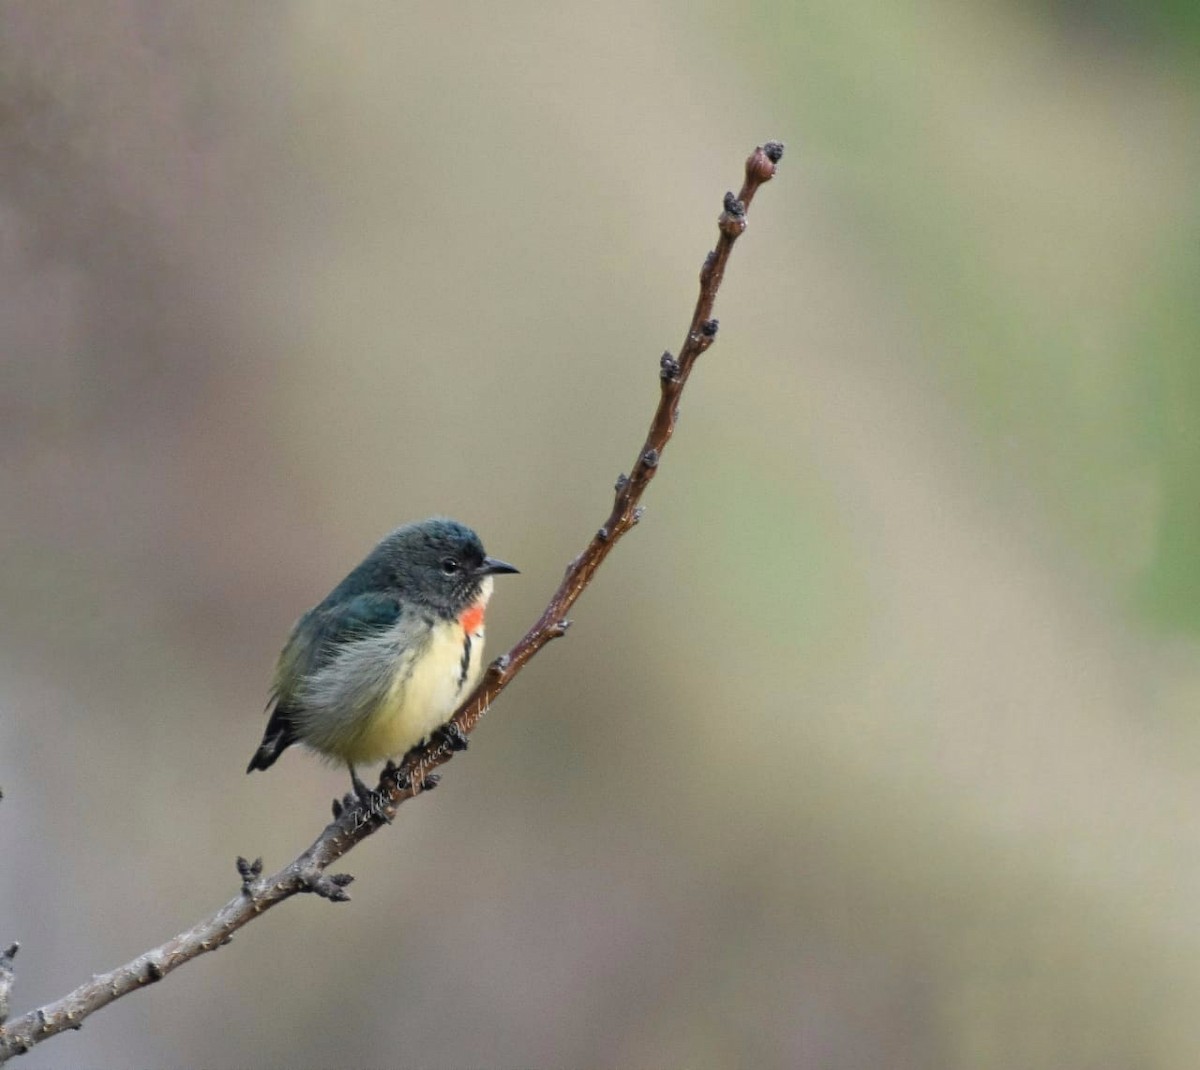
column 424, row 693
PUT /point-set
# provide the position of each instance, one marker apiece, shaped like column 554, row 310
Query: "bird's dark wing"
column 314, row 642
column 321, row 631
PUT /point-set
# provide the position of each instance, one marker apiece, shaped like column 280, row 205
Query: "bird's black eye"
column 450, row 566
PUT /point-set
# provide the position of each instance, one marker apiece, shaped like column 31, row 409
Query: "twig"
column 7, row 976
column 351, row 825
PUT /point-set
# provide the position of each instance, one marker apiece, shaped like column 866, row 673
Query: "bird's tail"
column 276, row 739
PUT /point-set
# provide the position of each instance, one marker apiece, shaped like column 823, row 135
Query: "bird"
column 383, row 661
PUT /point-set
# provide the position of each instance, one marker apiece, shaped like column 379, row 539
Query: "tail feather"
column 276, row 739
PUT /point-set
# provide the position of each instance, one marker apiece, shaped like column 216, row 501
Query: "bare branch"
column 7, row 977
column 626, row 510
column 351, row 824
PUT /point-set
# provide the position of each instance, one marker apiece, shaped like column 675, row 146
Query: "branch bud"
column 733, row 219
column 760, row 165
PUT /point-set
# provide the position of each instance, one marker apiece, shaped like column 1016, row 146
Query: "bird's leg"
column 365, row 795
column 369, row 802
column 453, row 736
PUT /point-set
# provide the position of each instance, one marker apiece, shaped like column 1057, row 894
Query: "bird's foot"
column 453, row 736
column 398, row 775
column 364, row 800
column 402, row 777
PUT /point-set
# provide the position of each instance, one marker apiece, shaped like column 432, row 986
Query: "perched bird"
column 383, row 662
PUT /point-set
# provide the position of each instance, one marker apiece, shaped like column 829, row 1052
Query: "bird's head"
column 438, row 563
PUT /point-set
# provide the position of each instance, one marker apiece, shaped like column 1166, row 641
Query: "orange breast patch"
column 472, row 619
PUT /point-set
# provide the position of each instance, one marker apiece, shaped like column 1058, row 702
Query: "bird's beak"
column 492, row 567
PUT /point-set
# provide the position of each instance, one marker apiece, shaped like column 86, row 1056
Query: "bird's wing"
column 323, row 631
column 315, row 642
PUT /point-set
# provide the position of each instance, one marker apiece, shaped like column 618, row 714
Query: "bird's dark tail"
column 276, row 739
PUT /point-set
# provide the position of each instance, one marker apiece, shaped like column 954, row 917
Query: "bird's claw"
column 452, row 735
column 398, row 775
column 365, row 800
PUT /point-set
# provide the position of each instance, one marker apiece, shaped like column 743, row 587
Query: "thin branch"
column 7, row 977
column 351, row 825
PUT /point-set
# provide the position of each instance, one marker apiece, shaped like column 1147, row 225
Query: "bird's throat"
column 472, row 618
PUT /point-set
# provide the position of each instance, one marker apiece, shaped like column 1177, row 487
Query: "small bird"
column 383, row 662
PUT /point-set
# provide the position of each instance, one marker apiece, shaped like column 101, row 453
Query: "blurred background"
column 876, row 744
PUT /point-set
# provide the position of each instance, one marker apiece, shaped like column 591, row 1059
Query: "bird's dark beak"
column 492, row 567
